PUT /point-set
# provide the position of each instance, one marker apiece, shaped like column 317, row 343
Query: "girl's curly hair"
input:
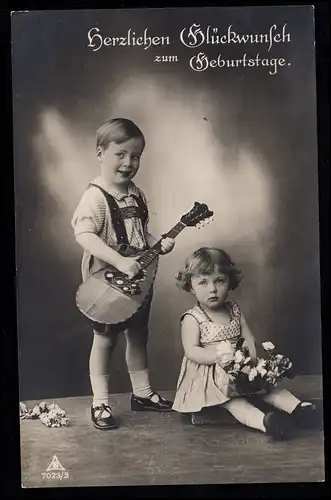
column 203, row 261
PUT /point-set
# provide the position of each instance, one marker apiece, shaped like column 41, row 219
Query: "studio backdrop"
column 239, row 137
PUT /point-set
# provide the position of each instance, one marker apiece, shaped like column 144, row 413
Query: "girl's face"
column 120, row 162
column 211, row 290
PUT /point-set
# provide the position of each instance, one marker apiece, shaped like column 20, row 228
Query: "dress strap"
column 196, row 313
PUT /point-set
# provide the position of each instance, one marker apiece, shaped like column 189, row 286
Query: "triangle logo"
column 55, row 465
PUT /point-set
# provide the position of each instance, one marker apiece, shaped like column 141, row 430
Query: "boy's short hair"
column 203, row 261
column 117, row 130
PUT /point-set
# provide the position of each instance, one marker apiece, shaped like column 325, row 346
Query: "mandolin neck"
column 152, row 253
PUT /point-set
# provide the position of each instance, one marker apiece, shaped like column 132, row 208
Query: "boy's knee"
column 137, row 335
column 106, row 339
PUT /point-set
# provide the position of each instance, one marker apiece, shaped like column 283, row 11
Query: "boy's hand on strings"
column 129, row 266
column 167, row 244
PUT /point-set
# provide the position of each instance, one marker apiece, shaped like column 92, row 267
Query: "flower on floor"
column 50, row 415
column 268, row 371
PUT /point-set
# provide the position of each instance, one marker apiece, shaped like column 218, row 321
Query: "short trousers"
column 140, row 319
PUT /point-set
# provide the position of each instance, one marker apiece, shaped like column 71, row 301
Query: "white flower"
column 279, row 356
column 252, row 374
column 35, row 411
column 268, row 346
column 261, row 370
column 224, row 347
column 43, row 406
column 23, row 407
column 224, row 353
column 261, row 363
column 238, row 356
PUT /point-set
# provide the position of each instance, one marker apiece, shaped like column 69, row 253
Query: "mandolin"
column 110, row 297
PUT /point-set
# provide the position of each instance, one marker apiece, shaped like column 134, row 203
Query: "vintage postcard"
column 167, row 246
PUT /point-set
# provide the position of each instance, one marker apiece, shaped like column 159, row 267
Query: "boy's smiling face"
column 120, row 162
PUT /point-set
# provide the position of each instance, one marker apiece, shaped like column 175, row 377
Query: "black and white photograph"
column 167, row 246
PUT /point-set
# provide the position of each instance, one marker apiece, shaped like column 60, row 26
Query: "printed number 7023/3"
column 55, row 475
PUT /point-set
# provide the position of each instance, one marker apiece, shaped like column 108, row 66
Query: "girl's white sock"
column 282, row 399
column 140, row 383
column 246, row 413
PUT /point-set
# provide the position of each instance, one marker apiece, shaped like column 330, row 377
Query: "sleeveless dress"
column 199, row 385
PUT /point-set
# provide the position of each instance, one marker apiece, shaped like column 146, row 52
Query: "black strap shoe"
column 147, row 404
column 278, row 425
column 100, row 422
column 308, row 416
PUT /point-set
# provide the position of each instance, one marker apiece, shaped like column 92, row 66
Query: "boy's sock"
column 100, row 390
column 140, row 383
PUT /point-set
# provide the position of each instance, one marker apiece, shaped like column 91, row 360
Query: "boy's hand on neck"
column 167, row 244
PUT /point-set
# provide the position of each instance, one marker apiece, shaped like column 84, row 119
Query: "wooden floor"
column 164, row 449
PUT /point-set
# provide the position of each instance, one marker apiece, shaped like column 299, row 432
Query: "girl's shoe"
column 196, row 419
column 307, row 416
column 100, row 422
column 278, row 425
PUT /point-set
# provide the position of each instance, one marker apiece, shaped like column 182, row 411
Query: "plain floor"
column 165, row 449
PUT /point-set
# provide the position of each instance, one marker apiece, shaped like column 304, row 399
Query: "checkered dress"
column 199, row 385
column 92, row 215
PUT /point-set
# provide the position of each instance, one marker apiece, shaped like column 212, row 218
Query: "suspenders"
column 119, row 214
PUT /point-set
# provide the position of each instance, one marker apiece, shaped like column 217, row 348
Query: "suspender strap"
column 143, row 208
column 117, row 219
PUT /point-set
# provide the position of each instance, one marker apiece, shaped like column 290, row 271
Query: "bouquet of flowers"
column 50, row 415
column 267, row 372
